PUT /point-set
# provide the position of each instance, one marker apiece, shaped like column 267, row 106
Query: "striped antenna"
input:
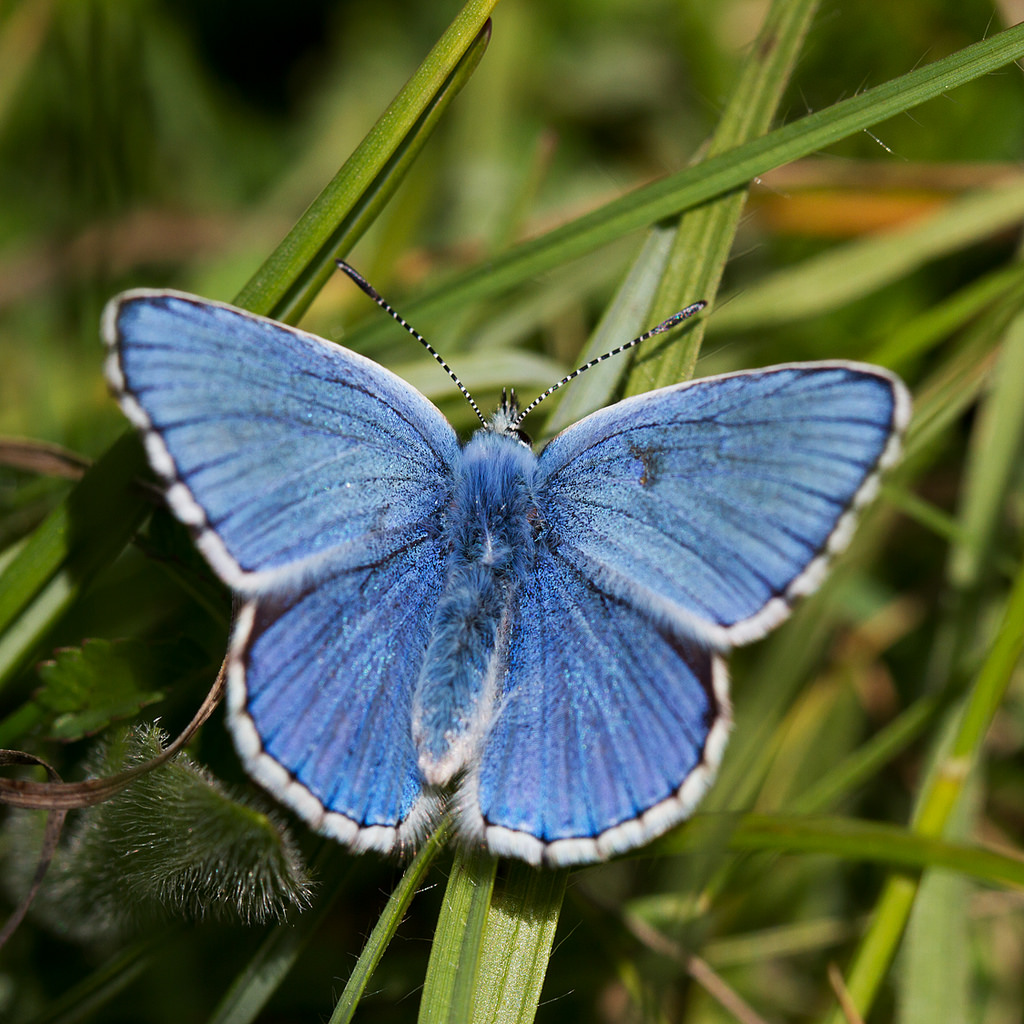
column 665, row 325
column 390, row 310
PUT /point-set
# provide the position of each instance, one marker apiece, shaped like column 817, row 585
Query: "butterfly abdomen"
column 491, row 542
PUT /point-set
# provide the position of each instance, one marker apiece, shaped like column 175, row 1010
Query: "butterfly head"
column 507, row 419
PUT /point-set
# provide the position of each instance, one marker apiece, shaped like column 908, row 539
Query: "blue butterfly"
column 534, row 642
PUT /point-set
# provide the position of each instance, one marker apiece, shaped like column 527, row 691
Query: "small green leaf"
column 86, row 688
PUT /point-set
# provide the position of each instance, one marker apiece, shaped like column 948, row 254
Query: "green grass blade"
column 519, row 931
column 705, row 234
column 937, row 800
column 851, row 271
column 517, row 941
column 869, row 758
column 713, row 177
column 54, row 540
column 386, row 926
column 946, row 396
column 930, row 328
column 996, row 445
column 848, row 838
column 298, row 267
column 625, row 317
column 79, row 537
column 450, row 987
column 934, row 979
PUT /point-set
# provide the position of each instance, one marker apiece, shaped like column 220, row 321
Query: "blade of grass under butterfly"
column 450, row 987
column 712, row 177
column 702, row 242
column 749, row 111
column 517, row 940
column 386, row 926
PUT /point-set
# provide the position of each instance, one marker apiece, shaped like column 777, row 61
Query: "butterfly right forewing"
column 720, row 501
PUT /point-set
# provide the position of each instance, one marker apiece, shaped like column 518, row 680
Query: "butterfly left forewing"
column 275, row 446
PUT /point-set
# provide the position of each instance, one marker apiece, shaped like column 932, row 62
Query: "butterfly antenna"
column 395, row 315
column 665, row 325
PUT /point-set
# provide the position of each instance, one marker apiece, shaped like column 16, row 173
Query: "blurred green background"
column 174, row 144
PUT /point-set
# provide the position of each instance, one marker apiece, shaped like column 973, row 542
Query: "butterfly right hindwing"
column 608, row 729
